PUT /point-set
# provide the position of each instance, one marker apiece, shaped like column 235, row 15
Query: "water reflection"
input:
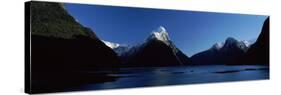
column 139, row 77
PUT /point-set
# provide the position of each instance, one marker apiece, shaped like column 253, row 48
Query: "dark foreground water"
column 142, row 77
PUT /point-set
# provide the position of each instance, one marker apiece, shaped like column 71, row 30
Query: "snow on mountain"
column 218, row 45
column 156, row 48
column 118, row 48
column 121, row 49
column 248, row 43
column 243, row 44
column 222, row 53
column 159, row 34
column 110, row 44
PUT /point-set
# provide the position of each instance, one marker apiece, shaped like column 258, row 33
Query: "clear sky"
column 191, row 32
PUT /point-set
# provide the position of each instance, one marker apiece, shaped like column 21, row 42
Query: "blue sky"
column 191, row 31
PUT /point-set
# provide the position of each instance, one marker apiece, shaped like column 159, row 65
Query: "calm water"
column 139, row 77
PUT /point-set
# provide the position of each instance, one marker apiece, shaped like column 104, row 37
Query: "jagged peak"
column 160, row 29
column 247, row 43
column 230, row 42
column 110, row 44
column 160, row 34
column 218, row 45
column 230, row 39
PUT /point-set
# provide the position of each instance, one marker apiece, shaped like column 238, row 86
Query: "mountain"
column 259, row 51
column 61, row 49
column 157, row 50
column 248, row 43
column 118, row 48
column 52, row 20
column 222, row 53
column 58, row 41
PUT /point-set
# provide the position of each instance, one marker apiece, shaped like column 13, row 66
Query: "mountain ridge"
column 57, row 38
column 221, row 53
column 156, row 45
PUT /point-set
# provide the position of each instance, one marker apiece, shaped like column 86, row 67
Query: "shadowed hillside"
column 62, row 49
column 259, row 51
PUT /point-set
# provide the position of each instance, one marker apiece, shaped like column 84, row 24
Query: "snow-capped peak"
column 160, row 34
column 229, row 42
column 160, row 29
column 248, row 43
column 110, row 44
column 117, row 48
column 218, row 45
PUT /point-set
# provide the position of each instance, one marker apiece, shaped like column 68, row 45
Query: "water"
column 142, row 77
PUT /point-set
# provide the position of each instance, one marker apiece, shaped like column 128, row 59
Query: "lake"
column 152, row 76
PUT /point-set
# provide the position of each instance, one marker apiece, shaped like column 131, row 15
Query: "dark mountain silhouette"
column 259, row 51
column 61, row 49
column 235, row 52
column 156, row 51
column 221, row 55
column 57, row 39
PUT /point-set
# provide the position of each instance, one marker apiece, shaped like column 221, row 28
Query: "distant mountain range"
column 234, row 52
column 63, row 51
column 64, row 43
column 222, row 53
column 157, row 50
